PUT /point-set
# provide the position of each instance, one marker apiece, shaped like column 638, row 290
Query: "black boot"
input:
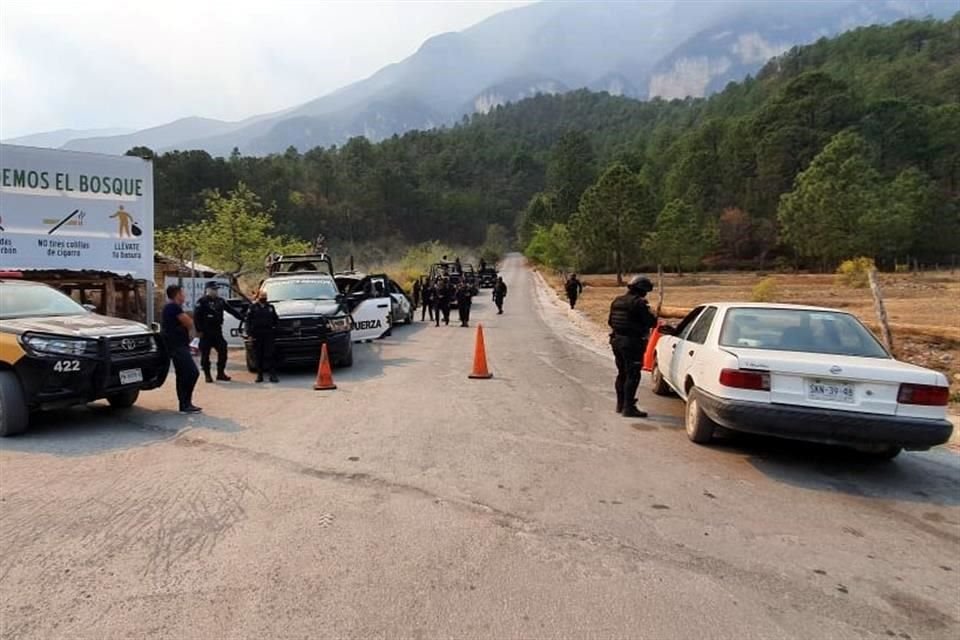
column 259, row 378
column 274, row 378
column 631, row 411
column 222, row 376
column 207, row 376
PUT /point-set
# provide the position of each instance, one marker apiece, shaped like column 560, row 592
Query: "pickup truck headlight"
column 339, row 324
column 57, row 346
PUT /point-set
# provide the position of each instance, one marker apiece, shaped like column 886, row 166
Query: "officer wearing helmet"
column 208, row 319
column 630, row 323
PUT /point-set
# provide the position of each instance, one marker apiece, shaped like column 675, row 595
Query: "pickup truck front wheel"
column 124, row 399
column 14, row 415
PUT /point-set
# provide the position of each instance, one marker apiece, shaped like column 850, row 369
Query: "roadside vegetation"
column 849, row 147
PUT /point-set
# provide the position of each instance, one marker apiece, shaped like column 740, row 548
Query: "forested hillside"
column 845, row 147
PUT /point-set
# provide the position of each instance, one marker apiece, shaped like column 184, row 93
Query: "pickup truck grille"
column 302, row 328
column 131, row 346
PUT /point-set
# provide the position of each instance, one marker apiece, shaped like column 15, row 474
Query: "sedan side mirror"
column 92, row 308
column 667, row 330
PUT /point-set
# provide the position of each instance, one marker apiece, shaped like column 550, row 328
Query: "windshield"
column 22, row 301
column 826, row 332
column 296, row 289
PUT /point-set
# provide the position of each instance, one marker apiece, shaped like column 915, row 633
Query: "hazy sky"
column 93, row 63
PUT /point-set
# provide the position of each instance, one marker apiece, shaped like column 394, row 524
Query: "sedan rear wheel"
column 660, row 386
column 699, row 427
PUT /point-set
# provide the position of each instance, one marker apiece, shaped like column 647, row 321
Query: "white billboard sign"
column 71, row 210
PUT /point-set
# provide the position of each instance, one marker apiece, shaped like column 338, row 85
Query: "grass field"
column 924, row 309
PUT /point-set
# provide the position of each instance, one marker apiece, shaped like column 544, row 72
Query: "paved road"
column 413, row 503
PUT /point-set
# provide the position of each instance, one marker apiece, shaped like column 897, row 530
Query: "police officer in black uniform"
column 499, row 293
column 208, row 320
column 426, row 296
column 464, row 297
column 441, row 301
column 630, row 322
column 262, row 324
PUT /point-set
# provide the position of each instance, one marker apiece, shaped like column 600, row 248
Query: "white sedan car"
column 803, row 373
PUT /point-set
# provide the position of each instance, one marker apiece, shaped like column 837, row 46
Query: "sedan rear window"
column 806, row 330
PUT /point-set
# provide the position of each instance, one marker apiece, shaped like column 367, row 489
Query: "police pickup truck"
column 311, row 311
column 56, row 353
column 363, row 290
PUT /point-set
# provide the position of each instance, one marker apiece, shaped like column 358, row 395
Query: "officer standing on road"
column 208, row 317
column 464, row 301
column 426, row 294
column 175, row 326
column 499, row 293
column 574, row 288
column 416, row 293
column 262, row 324
column 630, row 321
column 441, row 301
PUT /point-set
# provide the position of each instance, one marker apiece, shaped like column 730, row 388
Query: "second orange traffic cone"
column 480, row 371
column 324, row 372
column 650, row 354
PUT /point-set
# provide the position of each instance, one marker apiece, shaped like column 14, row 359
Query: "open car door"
column 402, row 306
column 371, row 308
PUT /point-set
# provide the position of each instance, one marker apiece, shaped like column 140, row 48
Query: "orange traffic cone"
column 650, row 354
column 480, row 371
column 324, row 373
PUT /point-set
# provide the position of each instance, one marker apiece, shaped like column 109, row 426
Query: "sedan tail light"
column 745, row 379
column 923, row 394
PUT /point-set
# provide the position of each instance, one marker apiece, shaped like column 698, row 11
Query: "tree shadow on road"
column 929, row 477
column 96, row 428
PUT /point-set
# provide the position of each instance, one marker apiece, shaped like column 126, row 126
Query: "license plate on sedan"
column 830, row 391
column 129, row 376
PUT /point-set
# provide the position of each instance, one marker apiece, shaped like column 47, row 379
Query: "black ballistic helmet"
column 640, row 284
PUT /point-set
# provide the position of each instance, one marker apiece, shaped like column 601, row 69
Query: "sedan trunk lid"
column 844, row 383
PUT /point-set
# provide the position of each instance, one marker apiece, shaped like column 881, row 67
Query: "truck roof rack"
column 278, row 264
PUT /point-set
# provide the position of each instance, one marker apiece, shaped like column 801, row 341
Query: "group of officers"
column 435, row 297
column 630, row 321
column 207, row 323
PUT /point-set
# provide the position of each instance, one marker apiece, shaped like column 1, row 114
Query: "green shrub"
column 855, row 272
column 551, row 247
column 765, row 291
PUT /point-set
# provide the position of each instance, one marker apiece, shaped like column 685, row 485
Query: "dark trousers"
column 427, row 308
column 573, row 300
column 215, row 341
column 628, row 354
column 499, row 303
column 463, row 310
column 441, row 309
column 263, row 354
column 187, row 374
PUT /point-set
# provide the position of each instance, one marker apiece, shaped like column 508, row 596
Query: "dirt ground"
column 924, row 309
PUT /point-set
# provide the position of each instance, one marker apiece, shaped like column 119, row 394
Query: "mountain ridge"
column 662, row 48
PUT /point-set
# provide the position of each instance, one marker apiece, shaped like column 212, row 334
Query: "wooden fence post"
column 659, row 289
column 880, row 309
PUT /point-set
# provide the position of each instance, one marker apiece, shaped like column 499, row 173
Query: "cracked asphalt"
column 414, row 503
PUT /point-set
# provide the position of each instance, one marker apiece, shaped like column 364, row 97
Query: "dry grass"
column 924, row 309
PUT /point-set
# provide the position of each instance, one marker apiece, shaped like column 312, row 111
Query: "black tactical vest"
column 630, row 316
